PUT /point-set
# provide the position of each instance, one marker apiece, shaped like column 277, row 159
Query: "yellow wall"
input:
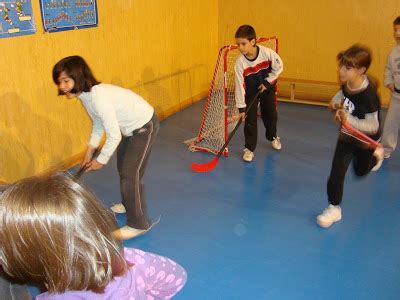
column 311, row 32
column 163, row 50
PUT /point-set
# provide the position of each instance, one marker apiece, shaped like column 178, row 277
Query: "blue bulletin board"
column 16, row 18
column 59, row 15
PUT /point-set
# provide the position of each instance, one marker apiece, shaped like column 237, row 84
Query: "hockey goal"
column 220, row 114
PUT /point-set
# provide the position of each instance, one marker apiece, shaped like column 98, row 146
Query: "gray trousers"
column 13, row 291
column 132, row 156
column 391, row 128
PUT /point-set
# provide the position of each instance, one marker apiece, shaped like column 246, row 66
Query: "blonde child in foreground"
column 54, row 232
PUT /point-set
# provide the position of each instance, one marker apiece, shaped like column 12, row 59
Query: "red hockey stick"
column 207, row 167
column 358, row 135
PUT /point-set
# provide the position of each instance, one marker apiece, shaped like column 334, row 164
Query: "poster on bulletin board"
column 60, row 15
column 16, row 18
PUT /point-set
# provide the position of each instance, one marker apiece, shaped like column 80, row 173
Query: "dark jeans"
column 363, row 162
column 132, row 156
column 269, row 116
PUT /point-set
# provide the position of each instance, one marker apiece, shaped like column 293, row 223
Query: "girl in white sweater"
column 130, row 125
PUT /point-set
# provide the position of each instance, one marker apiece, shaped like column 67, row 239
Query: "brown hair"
column 76, row 68
column 55, row 232
column 396, row 21
column 246, row 32
column 357, row 56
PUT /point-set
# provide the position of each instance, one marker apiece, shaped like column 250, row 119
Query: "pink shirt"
column 152, row 277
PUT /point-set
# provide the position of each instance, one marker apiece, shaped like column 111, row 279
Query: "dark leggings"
column 363, row 162
column 269, row 116
column 132, row 156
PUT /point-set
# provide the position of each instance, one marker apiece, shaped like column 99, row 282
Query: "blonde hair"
column 55, row 232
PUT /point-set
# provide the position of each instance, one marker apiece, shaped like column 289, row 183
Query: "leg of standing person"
column 341, row 160
column 363, row 161
column 250, row 130
column 132, row 157
column 269, row 115
column 391, row 128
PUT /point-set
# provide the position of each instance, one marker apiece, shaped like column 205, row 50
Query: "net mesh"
column 220, row 114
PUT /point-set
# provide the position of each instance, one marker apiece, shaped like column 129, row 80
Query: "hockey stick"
column 77, row 175
column 347, row 129
column 83, row 169
column 207, row 167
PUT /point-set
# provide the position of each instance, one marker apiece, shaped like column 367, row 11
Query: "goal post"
column 220, row 114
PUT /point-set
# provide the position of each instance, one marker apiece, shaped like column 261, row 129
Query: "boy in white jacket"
column 392, row 82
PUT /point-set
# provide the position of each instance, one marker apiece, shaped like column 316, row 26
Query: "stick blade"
column 203, row 168
column 359, row 136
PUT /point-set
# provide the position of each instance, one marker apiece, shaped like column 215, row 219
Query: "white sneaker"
column 248, row 155
column 276, row 143
column 127, row 232
column 387, row 155
column 330, row 215
column 118, row 208
column 379, row 154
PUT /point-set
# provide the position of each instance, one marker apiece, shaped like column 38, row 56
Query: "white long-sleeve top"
column 392, row 70
column 250, row 73
column 114, row 111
